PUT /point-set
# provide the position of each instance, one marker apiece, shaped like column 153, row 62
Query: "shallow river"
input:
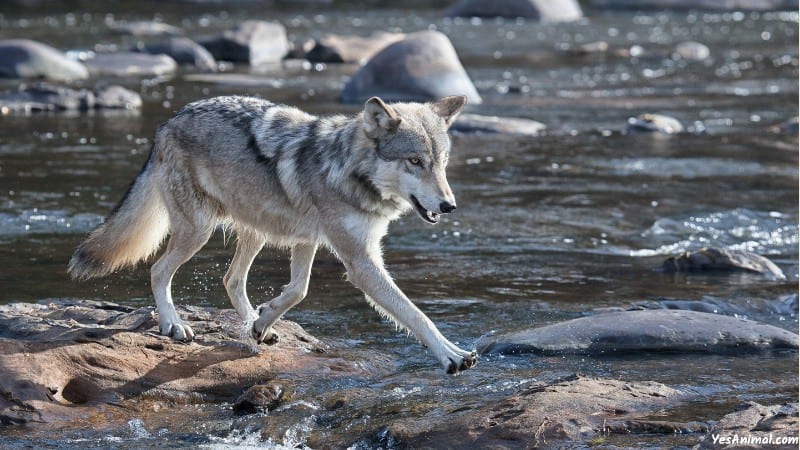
column 548, row 228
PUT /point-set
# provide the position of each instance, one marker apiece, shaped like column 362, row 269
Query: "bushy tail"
column 133, row 231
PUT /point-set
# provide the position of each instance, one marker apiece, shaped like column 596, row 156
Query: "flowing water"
column 548, row 228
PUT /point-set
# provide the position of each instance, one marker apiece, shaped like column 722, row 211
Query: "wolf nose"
column 447, row 207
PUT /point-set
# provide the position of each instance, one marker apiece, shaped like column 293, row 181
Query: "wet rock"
column 705, row 306
column 49, row 97
column 644, row 331
column 692, row 51
column 422, row 67
column 130, row 64
column 563, row 10
column 788, row 127
column 334, row 48
column 253, row 42
column 262, row 398
column 24, row 58
column 575, row 409
column 717, row 5
column 654, row 123
column 722, row 260
column 145, row 28
column 757, row 423
column 184, row 51
column 589, row 48
column 474, row 123
column 64, row 360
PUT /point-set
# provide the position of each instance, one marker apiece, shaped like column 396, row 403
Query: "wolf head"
column 413, row 149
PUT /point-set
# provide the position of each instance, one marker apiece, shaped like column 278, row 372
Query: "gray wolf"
column 278, row 175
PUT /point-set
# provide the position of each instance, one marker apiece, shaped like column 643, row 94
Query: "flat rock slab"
column 475, row 123
column 64, row 359
column 723, row 260
column 644, row 331
column 758, row 424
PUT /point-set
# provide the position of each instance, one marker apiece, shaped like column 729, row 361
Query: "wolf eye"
column 414, row 161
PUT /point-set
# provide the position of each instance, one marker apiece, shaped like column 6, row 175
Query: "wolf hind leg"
column 183, row 244
column 248, row 245
column 293, row 293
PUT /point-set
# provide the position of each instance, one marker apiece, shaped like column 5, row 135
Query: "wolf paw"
column 268, row 336
column 178, row 331
column 463, row 363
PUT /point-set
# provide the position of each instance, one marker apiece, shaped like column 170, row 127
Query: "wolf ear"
column 380, row 119
column 449, row 107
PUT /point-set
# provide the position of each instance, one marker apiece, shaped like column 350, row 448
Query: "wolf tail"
column 133, row 231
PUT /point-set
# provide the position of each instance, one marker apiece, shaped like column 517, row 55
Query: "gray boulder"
column 654, row 123
column 24, row 58
column 717, row 5
column 548, row 10
column 474, row 123
column 724, row 260
column 334, row 48
column 131, row 64
column 184, row 51
column 422, row 67
column 48, row 97
column 644, row 331
column 253, row 42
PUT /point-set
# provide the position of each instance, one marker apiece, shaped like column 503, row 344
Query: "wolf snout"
column 447, row 207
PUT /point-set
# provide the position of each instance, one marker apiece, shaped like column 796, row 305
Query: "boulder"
column 24, row 58
column 49, row 97
column 759, row 424
column 333, row 48
column 422, row 67
column 145, row 28
column 654, row 123
column 184, row 51
column 692, row 51
column 62, row 361
column 253, row 42
column 130, row 64
column 659, row 330
column 474, row 123
column 723, row 260
column 714, row 5
column 547, row 10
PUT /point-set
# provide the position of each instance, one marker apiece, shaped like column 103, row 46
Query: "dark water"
column 548, row 228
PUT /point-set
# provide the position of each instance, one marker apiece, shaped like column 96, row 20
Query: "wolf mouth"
column 428, row 216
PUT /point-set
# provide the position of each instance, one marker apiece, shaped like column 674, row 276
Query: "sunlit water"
column 548, row 228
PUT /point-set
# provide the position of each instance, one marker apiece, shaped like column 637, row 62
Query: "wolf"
column 277, row 175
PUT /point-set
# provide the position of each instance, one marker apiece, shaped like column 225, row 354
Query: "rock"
column 757, row 423
column 130, row 64
column 334, row 48
column 146, row 28
column 563, row 10
column 474, row 123
column 262, row 398
column 184, row 51
column 252, row 41
column 422, row 67
column 24, row 58
column 650, row 123
column 692, row 51
column 717, row 5
column 722, row 260
column 575, row 409
column 644, row 331
column 64, row 360
column 49, row 97
column 589, row 48
column 788, row 127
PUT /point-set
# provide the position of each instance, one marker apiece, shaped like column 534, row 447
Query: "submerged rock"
column 131, row 64
column 253, row 42
column 548, row 10
column 644, row 331
column 333, row 48
column 184, row 51
column 756, row 422
column 722, row 260
column 717, row 5
column 474, row 123
column 651, row 123
column 49, row 97
column 422, row 67
column 24, row 58
column 64, row 360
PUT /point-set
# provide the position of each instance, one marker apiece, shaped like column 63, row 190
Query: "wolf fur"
column 281, row 176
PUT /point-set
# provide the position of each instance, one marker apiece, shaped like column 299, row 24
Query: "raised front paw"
column 462, row 363
column 177, row 330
